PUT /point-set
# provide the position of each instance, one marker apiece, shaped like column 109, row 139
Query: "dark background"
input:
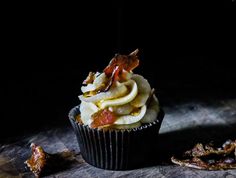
column 186, row 50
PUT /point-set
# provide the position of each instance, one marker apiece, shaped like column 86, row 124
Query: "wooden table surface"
column 185, row 124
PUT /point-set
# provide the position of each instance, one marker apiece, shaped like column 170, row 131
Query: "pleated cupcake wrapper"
column 116, row 149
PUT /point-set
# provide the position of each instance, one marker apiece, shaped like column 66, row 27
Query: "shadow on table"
column 177, row 142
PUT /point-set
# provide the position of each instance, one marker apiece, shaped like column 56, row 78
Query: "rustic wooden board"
column 184, row 125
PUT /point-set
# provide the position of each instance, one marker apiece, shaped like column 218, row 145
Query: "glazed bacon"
column 37, row 161
column 42, row 163
column 102, row 118
column 208, row 157
column 119, row 63
column 126, row 62
column 114, row 73
column 90, row 78
column 114, row 77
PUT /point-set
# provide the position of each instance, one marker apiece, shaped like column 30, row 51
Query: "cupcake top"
column 117, row 98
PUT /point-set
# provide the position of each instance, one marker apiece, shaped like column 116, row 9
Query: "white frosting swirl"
column 128, row 100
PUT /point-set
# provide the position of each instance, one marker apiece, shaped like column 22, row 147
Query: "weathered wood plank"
column 184, row 125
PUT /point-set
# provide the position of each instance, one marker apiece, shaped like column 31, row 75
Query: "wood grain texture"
column 184, row 125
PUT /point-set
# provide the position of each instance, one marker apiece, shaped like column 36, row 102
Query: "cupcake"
column 118, row 119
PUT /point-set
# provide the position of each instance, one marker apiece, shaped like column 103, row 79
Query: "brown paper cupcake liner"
column 117, row 149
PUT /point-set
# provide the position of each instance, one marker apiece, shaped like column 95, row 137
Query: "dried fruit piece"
column 102, row 118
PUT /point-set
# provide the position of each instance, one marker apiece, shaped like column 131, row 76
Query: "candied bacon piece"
column 114, row 77
column 103, row 117
column 90, row 78
column 195, row 162
column 118, row 64
column 200, row 150
column 42, row 163
column 37, row 161
column 126, row 62
column 208, row 157
column 114, row 70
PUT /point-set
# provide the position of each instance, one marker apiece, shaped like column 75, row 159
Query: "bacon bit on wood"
column 90, row 78
column 118, row 64
column 114, row 77
column 42, row 163
column 103, row 117
column 37, row 161
column 208, row 157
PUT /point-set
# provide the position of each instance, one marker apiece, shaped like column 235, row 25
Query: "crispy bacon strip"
column 200, row 150
column 126, row 62
column 118, row 64
column 42, row 163
column 209, row 158
column 103, row 117
column 37, row 161
column 114, row 77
